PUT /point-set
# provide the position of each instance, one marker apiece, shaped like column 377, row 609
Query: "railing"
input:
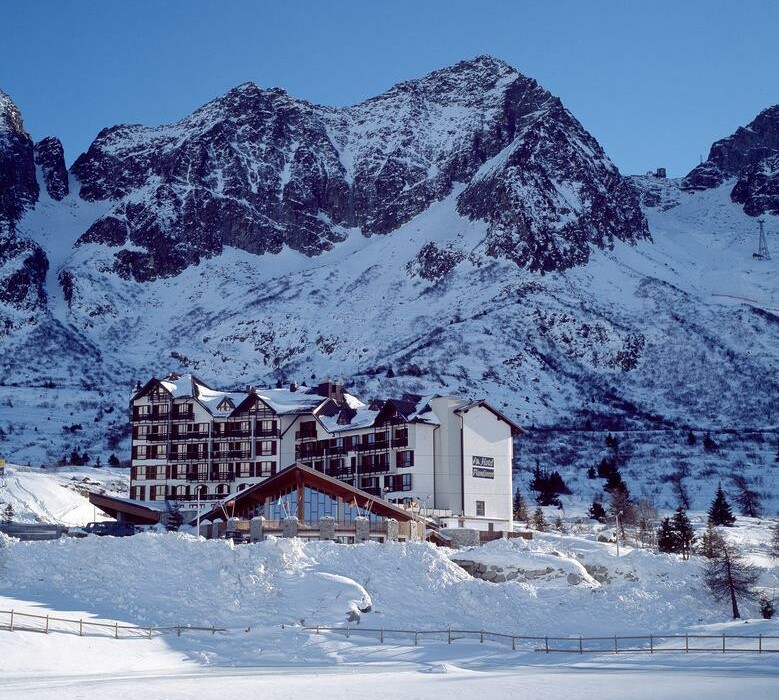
column 372, row 469
column 300, row 435
column 175, row 436
column 190, row 415
column 230, row 454
column 267, row 434
column 142, row 418
column 14, row 621
column 153, row 437
column 188, row 457
column 650, row 643
column 223, row 476
column 227, row 434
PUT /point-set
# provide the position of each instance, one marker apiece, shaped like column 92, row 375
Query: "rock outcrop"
column 50, row 158
column 751, row 155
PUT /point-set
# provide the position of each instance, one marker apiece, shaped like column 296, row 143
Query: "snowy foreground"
column 264, row 594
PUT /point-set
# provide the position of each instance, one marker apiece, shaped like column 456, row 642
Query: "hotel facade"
column 449, row 458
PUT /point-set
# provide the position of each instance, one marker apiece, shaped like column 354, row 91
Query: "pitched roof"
column 299, row 475
column 515, row 429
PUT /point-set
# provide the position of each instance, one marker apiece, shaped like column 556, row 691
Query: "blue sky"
column 655, row 82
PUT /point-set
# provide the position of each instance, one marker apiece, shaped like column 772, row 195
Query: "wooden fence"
column 649, row 643
column 15, row 621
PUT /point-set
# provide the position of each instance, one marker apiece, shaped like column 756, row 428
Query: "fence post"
column 381, row 635
column 81, row 628
column 481, row 637
column 723, row 643
column 317, row 629
column 47, row 624
column 651, row 645
column 759, row 643
column 213, row 631
column 513, row 644
column 11, row 626
column 116, row 631
column 686, row 643
column 581, row 648
column 347, row 631
column 449, row 637
column 149, row 632
column 616, row 646
column 178, row 631
column 546, row 644
column 416, row 637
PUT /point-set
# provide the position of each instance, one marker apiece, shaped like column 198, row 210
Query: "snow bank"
column 171, row 579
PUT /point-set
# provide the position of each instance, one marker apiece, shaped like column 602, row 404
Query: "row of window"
column 200, row 472
column 182, row 493
column 196, row 451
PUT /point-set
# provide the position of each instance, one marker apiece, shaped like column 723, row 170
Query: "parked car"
column 113, row 529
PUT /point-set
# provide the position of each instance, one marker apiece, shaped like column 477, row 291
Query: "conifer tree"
column 8, row 514
column 711, row 542
column 773, row 546
column 597, row 511
column 728, row 576
column 539, row 523
column 747, row 498
column 667, row 537
column 520, row 507
column 173, row 518
column 684, row 532
column 719, row 511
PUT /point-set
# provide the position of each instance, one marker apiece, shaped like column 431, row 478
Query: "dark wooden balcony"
column 223, row 476
column 231, row 454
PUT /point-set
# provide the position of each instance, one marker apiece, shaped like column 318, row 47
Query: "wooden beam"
column 301, row 495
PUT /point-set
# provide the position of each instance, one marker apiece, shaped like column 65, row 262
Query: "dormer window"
column 225, row 404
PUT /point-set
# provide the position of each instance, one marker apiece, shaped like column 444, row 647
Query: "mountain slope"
column 439, row 231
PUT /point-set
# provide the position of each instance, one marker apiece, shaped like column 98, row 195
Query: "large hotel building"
column 450, row 457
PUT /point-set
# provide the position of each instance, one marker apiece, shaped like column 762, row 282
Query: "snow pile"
column 171, row 579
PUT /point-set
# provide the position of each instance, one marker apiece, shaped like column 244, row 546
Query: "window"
column 480, row 508
column 398, row 482
column 308, row 429
column 266, row 427
column 157, row 493
column 266, row 468
column 138, row 473
column 405, row 459
column 266, row 448
column 369, row 483
column 245, row 469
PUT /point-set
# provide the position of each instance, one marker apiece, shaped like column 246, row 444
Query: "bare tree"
column 728, row 576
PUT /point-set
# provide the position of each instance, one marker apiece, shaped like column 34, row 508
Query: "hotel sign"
column 483, row 467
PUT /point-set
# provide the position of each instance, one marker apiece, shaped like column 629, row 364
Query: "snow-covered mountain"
column 461, row 231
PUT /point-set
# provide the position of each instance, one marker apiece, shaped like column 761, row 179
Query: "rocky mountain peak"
column 259, row 170
column 10, row 116
column 751, row 155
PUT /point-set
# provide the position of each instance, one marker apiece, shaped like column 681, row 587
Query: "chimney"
column 332, row 390
column 293, row 386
